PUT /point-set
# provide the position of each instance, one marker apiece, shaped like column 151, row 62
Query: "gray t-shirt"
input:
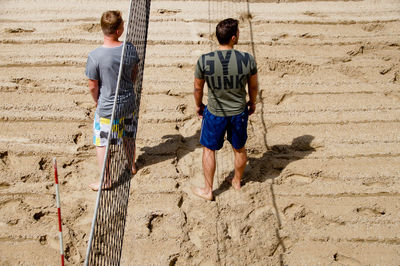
column 103, row 65
column 226, row 73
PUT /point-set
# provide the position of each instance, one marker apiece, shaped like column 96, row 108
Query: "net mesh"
column 107, row 233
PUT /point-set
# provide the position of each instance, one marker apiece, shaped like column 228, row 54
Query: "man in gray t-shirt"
column 103, row 65
column 102, row 69
column 226, row 72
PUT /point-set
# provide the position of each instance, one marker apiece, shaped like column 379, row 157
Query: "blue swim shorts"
column 213, row 130
column 123, row 127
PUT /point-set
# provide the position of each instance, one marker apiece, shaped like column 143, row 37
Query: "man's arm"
column 253, row 90
column 94, row 89
column 198, row 95
column 134, row 73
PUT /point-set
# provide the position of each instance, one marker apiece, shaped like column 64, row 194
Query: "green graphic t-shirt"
column 226, row 73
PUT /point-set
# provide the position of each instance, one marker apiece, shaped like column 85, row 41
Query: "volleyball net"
column 107, row 231
column 108, row 225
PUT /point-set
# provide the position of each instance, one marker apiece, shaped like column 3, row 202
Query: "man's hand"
column 252, row 107
column 200, row 110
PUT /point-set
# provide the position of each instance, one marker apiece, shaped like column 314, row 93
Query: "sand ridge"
column 321, row 186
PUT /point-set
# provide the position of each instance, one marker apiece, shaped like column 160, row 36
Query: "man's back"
column 103, row 65
column 226, row 73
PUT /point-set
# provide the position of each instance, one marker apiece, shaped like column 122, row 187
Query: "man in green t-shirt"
column 226, row 72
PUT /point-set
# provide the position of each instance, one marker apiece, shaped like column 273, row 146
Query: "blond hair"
column 110, row 21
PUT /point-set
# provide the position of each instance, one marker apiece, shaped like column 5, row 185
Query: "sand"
column 322, row 182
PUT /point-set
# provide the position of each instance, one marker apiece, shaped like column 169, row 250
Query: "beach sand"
column 322, row 182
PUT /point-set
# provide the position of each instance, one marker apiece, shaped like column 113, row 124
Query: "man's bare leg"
column 130, row 151
column 134, row 169
column 101, row 153
column 240, row 165
column 209, row 170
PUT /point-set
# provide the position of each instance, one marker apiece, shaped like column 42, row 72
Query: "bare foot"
column 95, row 186
column 134, row 169
column 234, row 183
column 202, row 194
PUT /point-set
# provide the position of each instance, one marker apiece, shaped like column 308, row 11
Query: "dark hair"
column 110, row 22
column 226, row 29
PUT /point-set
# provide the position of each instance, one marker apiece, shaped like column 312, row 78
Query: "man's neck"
column 111, row 41
column 225, row 46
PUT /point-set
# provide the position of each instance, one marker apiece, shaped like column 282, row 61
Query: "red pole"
column 59, row 212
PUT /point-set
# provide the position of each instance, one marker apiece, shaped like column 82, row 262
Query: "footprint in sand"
column 168, row 11
column 294, row 211
column 308, row 35
column 371, row 211
column 385, row 70
column 4, row 156
column 43, row 164
column 345, row 259
column 155, row 221
column 4, row 185
column 314, row 14
column 21, row 81
column 181, row 108
column 396, row 78
column 38, row 215
column 25, row 178
column 19, row 30
column 3, row 159
column 43, row 240
column 245, row 16
column 280, row 36
column 356, row 51
column 180, row 202
column 77, row 137
column 299, row 179
column 89, row 27
column 373, row 27
column 84, row 148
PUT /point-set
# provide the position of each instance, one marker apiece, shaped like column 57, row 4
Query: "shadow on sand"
column 272, row 162
column 270, row 166
column 173, row 146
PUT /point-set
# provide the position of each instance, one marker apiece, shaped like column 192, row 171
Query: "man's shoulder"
column 207, row 54
column 96, row 52
column 94, row 56
column 242, row 53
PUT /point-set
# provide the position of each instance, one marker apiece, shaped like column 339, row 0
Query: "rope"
column 107, row 231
